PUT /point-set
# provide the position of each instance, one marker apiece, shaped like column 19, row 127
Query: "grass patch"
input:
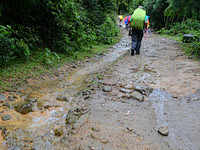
column 187, row 49
column 17, row 74
column 176, row 38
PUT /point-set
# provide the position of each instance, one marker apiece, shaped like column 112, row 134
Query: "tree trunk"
column 166, row 22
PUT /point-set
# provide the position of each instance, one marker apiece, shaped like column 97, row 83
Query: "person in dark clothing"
column 137, row 31
column 137, row 36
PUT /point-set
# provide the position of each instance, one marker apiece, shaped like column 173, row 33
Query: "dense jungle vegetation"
column 45, row 31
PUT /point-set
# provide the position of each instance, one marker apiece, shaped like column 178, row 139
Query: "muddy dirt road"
column 114, row 101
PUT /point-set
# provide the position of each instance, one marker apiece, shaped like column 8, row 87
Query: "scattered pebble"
column 5, row 117
column 125, row 90
column 95, row 129
column 138, row 96
column 2, row 98
column 107, row 89
column 163, row 131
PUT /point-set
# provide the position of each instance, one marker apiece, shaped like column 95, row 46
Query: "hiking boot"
column 132, row 52
column 137, row 53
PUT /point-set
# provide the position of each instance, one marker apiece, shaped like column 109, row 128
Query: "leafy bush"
column 48, row 57
column 107, row 31
column 10, row 46
column 195, row 47
column 64, row 26
column 188, row 26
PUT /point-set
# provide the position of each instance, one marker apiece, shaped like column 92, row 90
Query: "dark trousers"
column 137, row 36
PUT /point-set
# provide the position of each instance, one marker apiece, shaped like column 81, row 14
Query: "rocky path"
column 112, row 102
column 147, row 101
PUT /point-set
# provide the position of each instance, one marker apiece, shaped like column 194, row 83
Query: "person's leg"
column 140, row 36
column 134, row 41
column 150, row 31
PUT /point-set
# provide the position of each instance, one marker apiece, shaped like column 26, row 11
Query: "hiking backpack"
column 137, row 19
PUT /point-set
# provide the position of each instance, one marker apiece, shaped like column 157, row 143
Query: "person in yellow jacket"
column 148, row 27
column 121, row 18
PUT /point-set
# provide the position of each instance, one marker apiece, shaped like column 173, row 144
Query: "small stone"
column 174, row 96
column 73, row 132
column 95, row 129
column 128, row 86
column 87, row 97
column 125, row 90
column 66, row 74
column 104, row 141
column 31, row 100
column 94, row 135
column 129, row 129
column 139, row 89
column 6, row 117
column 10, row 98
column 2, row 98
column 107, row 89
column 6, row 104
column 163, row 131
column 15, row 97
column 100, row 81
column 138, row 96
column 62, row 98
column 60, row 78
column 1, row 112
column 197, row 91
column 122, row 95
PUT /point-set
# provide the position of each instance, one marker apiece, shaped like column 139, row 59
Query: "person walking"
column 137, row 25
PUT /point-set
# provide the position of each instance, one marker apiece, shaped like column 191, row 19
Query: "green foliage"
column 49, row 57
column 195, row 47
column 155, row 9
column 107, row 31
column 10, row 46
column 64, row 26
column 189, row 26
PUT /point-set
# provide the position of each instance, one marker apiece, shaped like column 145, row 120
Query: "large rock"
column 187, row 38
column 24, row 107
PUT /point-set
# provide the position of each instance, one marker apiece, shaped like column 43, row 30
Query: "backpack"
column 137, row 19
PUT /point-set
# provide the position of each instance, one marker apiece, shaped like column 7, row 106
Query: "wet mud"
column 114, row 101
